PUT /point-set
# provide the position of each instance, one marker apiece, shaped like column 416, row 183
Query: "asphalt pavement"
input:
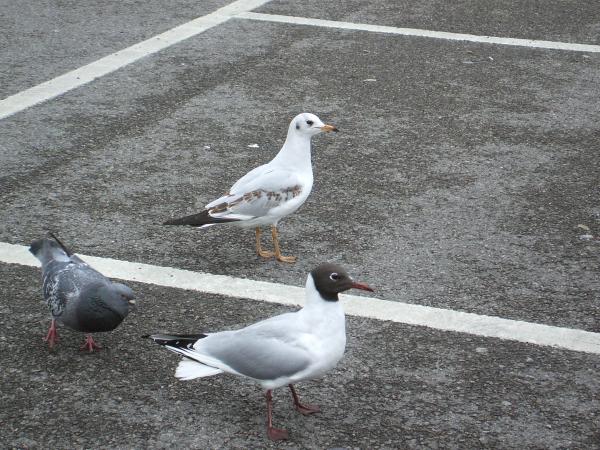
column 398, row 386
column 464, row 176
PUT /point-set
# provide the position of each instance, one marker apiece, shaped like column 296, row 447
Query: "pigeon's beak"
column 361, row 286
column 328, row 128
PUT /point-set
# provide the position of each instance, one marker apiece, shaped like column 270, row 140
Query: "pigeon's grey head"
column 331, row 279
column 47, row 249
column 125, row 292
column 102, row 307
column 308, row 124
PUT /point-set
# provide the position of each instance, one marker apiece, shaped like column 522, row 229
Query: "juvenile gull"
column 269, row 192
column 279, row 351
column 78, row 296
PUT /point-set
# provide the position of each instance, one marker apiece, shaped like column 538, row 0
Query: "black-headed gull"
column 279, row 351
column 269, row 192
column 78, row 296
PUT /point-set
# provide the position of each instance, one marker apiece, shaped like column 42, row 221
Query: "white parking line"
column 531, row 43
column 240, row 9
column 83, row 75
column 441, row 319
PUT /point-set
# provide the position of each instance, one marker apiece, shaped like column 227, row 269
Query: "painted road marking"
column 83, row 75
column 240, row 9
column 438, row 318
column 531, row 43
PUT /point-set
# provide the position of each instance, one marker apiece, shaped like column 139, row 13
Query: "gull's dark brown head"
column 331, row 279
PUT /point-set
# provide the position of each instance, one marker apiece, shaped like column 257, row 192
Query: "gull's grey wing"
column 240, row 187
column 258, row 196
column 255, row 353
column 250, row 176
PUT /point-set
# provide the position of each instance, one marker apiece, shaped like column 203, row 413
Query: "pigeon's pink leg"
column 303, row 409
column 275, row 434
column 89, row 344
column 52, row 336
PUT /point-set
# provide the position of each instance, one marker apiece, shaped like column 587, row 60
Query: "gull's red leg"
column 275, row 434
column 89, row 344
column 303, row 409
column 52, row 336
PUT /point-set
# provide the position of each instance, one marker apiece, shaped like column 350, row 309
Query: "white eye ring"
column 334, row 276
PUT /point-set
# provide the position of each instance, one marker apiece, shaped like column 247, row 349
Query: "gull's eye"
column 309, row 123
column 334, row 277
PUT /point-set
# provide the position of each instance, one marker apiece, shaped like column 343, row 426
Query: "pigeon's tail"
column 59, row 242
column 47, row 250
column 197, row 220
column 183, row 344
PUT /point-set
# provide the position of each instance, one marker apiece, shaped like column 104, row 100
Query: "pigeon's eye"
column 334, row 277
column 309, row 123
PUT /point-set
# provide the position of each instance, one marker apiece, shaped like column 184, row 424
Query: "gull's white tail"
column 188, row 370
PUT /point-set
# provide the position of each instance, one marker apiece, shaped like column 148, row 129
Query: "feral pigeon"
column 78, row 296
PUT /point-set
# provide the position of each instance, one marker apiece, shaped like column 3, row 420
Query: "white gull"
column 269, row 192
column 278, row 351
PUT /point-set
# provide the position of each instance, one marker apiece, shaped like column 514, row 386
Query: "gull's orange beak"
column 328, row 128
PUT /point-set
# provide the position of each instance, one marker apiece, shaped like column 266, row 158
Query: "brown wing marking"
column 285, row 194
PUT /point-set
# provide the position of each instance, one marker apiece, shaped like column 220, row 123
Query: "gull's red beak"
column 361, row 286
